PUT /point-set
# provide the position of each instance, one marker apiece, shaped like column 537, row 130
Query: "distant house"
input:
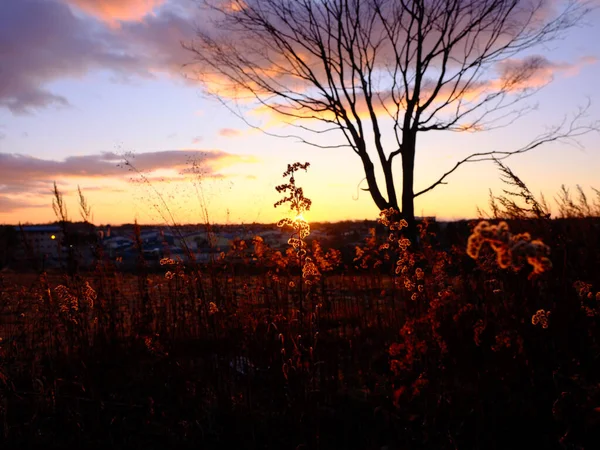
column 192, row 241
column 42, row 243
column 44, row 239
column 200, row 241
column 117, row 243
column 275, row 238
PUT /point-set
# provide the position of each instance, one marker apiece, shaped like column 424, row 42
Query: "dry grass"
column 403, row 347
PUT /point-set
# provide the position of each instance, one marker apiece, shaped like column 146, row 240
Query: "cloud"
column 229, row 132
column 42, row 41
column 22, row 174
column 117, row 10
column 242, row 42
column 536, row 71
column 8, row 204
column 100, row 189
column 197, row 140
column 157, row 40
column 512, row 76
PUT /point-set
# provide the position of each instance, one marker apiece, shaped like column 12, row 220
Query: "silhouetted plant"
column 507, row 207
column 412, row 348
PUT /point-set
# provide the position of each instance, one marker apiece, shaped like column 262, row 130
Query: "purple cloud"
column 45, row 40
column 21, row 173
column 112, row 11
column 157, row 39
column 8, row 204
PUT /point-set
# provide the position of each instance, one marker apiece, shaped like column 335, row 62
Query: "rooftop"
column 40, row 228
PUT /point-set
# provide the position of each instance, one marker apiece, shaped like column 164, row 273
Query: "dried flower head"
column 542, row 318
column 511, row 250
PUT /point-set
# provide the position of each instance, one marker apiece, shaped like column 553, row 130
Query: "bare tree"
column 382, row 71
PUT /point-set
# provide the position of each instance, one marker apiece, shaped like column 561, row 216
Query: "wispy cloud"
column 513, row 76
column 117, row 10
column 229, row 132
column 8, row 204
column 535, row 71
column 22, row 174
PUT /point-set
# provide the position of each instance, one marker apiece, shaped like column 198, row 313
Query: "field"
column 407, row 347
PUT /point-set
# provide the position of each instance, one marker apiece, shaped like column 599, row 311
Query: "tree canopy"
column 379, row 72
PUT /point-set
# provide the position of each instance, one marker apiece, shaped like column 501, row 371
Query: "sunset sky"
column 87, row 83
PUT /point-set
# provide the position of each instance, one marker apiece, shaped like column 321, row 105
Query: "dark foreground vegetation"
column 401, row 349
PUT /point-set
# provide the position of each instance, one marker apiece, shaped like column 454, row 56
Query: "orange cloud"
column 235, row 6
column 23, row 174
column 229, row 132
column 536, row 71
column 511, row 76
column 112, row 11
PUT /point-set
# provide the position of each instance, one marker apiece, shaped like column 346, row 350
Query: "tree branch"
column 555, row 134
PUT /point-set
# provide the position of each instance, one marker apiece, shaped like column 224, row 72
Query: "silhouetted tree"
column 382, row 71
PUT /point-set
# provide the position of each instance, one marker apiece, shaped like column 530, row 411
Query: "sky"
column 96, row 94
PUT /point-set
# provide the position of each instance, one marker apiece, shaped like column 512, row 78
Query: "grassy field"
column 403, row 348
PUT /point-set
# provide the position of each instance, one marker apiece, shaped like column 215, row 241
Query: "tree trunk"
column 408, row 177
column 379, row 200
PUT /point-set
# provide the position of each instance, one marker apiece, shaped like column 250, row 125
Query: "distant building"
column 42, row 243
column 275, row 238
column 201, row 241
column 117, row 242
